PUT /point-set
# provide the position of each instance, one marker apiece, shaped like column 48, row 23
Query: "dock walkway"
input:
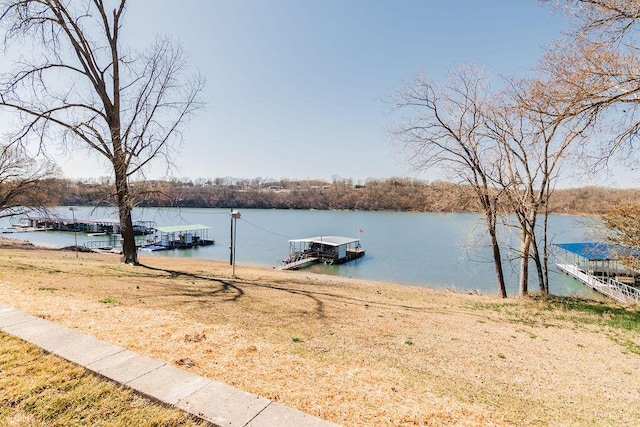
column 303, row 262
column 608, row 286
column 213, row 401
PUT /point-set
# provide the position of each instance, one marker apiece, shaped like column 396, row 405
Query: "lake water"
column 423, row 249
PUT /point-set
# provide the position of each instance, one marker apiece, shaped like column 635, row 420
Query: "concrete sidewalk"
column 209, row 400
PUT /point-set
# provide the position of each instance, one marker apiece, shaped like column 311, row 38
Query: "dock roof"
column 182, row 228
column 597, row 251
column 327, row 240
column 77, row 220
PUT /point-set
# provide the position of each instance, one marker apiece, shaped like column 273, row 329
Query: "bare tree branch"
column 444, row 128
column 20, row 182
column 130, row 109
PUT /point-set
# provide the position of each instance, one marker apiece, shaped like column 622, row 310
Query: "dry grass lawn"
column 43, row 390
column 351, row 352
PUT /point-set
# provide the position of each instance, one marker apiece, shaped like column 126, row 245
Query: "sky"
column 301, row 89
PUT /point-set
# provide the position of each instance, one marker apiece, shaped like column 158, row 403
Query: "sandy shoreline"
column 7, row 242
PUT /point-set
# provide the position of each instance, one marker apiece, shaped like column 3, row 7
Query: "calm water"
column 424, row 249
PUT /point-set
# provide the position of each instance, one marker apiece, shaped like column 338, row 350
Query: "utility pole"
column 75, row 231
column 235, row 215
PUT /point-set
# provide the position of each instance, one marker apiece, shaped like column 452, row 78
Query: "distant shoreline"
column 373, row 195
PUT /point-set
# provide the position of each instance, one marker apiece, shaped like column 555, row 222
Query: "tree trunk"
column 539, row 266
column 545, row 256
column 129, row 249
column 523, row 283
column 497, row 260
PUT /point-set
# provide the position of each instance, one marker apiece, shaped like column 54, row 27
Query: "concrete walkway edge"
column 213, row 401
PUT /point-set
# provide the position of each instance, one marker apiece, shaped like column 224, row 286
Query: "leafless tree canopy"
column 596, row 69
column 80, row 84
column 74, row 83
column 444, row 126
column 441, row 124
column 622, row 225
column 508, row 146
column 21, row 178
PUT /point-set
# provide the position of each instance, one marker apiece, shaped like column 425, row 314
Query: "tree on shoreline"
column 535, row 135
column 80, row 87
column 506, row 146
column 620, row 226
column 444, row 127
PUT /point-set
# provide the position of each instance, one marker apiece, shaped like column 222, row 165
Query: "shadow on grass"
column 235, row 286
column 227, row 287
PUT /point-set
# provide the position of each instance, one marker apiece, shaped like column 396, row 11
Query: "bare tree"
column 81, row 87
column 622, row 225
column 508, row 146
column 21, row 178
column 445, row 128
column 535, row 135
column 597, row 68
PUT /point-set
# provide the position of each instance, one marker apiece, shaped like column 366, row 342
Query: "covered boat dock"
column 325, row 249
column 81, row 225
column 180, row 237
column 611, row 270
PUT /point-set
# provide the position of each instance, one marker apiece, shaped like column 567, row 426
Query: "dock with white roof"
column 324, row 249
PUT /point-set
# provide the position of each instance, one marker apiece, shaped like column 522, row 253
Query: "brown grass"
column 40, row 389
column 349, row 351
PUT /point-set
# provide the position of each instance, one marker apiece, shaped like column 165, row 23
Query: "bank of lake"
column 447, row 251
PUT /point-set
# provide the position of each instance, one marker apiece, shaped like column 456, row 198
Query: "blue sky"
column 299, row 88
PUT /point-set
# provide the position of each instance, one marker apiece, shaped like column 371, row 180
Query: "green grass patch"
column 627, row 344
column 547, row 310
column 109, row 300
column 617, row 317
column 540, row 309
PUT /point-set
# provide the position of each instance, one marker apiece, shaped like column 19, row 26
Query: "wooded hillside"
column 394, row 194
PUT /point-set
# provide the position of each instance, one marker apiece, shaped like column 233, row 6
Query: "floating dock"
column 81, row 225
column 321, row 249
column 179, row 237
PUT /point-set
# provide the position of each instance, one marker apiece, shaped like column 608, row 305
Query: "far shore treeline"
column 393, row 194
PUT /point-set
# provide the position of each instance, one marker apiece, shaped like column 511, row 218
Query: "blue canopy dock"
column 611, row 270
